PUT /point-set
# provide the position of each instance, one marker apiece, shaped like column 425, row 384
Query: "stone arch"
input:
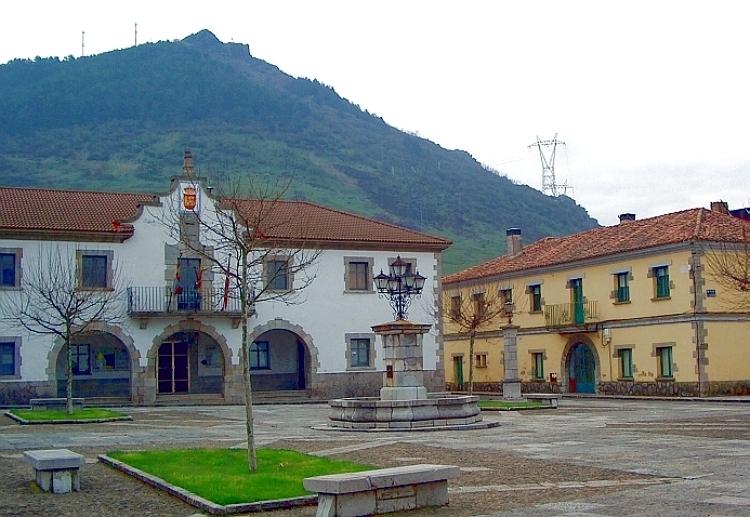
column 312, row 351
column 125, row 339
column 574, row 340
column 181, row 326
column 97, row 327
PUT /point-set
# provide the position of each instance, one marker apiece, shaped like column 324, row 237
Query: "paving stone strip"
column 352, row 448
column 565, row 485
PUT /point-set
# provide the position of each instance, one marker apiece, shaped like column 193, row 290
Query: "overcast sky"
column 651, row 98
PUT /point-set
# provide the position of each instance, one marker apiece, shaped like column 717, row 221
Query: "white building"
column 178, row 337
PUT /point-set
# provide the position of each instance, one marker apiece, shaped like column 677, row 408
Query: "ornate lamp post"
column 399, row 286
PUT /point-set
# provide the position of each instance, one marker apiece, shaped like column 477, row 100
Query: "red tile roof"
column 303, row 220
column 697, row 224
column 42, row 211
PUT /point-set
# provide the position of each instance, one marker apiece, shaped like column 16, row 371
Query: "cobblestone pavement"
column 590, row 457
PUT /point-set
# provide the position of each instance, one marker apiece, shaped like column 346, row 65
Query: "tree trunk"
column 471, row 362
column 68, row 377
column 245, row 358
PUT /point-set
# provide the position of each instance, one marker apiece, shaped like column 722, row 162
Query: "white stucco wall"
column 324, row 310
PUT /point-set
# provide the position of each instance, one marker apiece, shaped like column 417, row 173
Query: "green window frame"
column 8, row 358
column 665, row 362
column 94, row 271
column 661, row 280
column 81, row 357
column 359, row 276
column 8, row 269
column 277, row 275
column 622, row 287
column 535, row 292
column 626, row 363
column 538, row 365
column 359, row 352
column 259, row 356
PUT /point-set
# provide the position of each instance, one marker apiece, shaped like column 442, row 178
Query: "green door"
column 458, row 372
column 581, row 370
column 579, row 312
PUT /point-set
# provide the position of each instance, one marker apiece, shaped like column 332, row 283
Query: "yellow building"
column 639, row 308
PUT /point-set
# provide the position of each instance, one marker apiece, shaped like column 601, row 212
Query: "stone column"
column 402, row 352
column 511, row 381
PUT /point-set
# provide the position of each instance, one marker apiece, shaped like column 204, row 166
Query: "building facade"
column 639, row 308
column 177, row 335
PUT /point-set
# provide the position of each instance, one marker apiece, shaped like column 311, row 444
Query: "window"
column 8, row 270
column 358, row 277
column 480, row 360
column 535, row 293
column 664, row 355
column 538, row 365
column 661, row 280
column 626, row 363
column 455, row 306
column 277, row 274
column 81, row 357
column 622, row 288
column 479, row 305
column 359, row 351
column 506, row 298
column 259, row 359
column 94, row 271
column 8, row 358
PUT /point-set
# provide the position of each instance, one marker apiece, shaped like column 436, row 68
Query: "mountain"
column 119, row 121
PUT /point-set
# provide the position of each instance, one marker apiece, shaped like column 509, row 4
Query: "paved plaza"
column 590, row 457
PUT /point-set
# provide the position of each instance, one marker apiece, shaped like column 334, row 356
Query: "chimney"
column 626, row 217
column 187, row 164
column 720, row 206
column 513, row 241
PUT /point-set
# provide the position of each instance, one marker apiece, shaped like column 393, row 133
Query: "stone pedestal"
column 402, row 353
column 511, row 381
column 56, row 470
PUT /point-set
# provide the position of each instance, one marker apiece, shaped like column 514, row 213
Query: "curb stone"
column 205, row 504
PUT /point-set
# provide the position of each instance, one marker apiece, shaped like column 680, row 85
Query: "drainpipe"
column 694, row 265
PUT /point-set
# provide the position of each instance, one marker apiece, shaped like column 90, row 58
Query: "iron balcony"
column 570, row 314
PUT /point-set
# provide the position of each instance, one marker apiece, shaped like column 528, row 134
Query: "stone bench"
column 55, row 470
column 55, row 403
column 548, row 399
column 382, row 491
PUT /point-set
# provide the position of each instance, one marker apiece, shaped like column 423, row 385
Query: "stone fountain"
column 404, row 403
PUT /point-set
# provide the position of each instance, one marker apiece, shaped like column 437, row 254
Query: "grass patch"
column 50, row 415
column 505, row 405
column 221, row 475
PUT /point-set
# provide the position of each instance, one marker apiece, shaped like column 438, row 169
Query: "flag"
column 226, row 285
column 176, row 287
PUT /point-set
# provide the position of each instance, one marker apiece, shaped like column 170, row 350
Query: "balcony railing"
column 145, row 301
column 570, row 314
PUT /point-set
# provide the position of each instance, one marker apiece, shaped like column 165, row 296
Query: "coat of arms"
column 189, row 198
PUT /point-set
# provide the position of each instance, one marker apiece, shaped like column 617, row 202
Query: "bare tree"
column 53, row 300
column 258, row 243
column 470, row 312
column 728, row 265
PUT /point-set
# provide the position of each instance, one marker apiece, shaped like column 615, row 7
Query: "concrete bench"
column 548, row 399
column 55, row 403
column 55, row 470
column 382, row 491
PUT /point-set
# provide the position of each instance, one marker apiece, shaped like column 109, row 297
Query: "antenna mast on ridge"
column 136, row 34
column 83, row 46
column 549, row 182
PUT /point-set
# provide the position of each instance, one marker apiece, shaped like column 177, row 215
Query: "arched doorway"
column 278, row 361
column 102, row 366
column 188, row 362
column 581, row 369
